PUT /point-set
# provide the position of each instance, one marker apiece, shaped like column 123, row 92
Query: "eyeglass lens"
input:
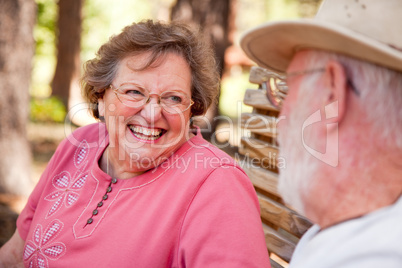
column 276, row 89
column 171, row 101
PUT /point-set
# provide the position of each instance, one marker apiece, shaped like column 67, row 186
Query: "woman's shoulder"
column 94, row 129
column 88, row 137
column 93, row 133
column 206, row 152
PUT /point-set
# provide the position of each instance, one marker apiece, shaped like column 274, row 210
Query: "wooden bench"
column 282, row 225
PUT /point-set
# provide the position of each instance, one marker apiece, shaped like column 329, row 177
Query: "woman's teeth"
column 146, row 134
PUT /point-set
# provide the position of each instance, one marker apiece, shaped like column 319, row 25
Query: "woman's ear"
column 337, row 82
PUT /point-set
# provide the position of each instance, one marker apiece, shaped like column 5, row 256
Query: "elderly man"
column 340, row 129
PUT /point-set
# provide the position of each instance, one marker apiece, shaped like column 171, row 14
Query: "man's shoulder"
column 375, row 237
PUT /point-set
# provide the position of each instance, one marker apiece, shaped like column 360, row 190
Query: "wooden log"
column 274, row 264
column 263, row 179
column 260, row 124
column 278, row 243
column 259, row 75
column 257, row 99
column 260, row 152
column 282, row 225
column 283, row 217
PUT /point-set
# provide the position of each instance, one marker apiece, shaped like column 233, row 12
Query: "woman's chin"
column 144, row 162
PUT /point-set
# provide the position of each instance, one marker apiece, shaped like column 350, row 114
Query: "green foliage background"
column 102, row 18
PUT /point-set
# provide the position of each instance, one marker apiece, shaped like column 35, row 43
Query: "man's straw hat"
column 365, row 29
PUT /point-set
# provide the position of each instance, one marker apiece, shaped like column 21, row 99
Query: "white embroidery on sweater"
column 41, row 248
column 81, row 154
column 67, row 190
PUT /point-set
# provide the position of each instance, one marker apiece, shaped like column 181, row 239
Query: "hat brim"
column 273, row 45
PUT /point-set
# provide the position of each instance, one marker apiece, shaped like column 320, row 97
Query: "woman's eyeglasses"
column 132, row 95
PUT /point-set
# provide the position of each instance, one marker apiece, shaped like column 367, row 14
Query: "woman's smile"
column 147, row 134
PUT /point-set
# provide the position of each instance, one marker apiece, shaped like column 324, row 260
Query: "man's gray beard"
column 298, row 173
column 300, row 166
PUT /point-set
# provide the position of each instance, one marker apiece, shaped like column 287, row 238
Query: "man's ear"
column 337, row 82
column 101, row 107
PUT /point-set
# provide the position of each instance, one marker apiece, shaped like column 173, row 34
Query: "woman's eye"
column 133, row 92
column 176, row 99
column 173, row 99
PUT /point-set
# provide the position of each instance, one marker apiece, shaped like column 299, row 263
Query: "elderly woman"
column 142, row 188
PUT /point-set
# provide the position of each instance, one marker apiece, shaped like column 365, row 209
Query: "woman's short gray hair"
column 159, row 39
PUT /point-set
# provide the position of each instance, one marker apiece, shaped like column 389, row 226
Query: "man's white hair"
column 380, row 89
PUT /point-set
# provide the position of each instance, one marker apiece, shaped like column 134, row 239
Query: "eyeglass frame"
column 277, row 100
column 115, row 90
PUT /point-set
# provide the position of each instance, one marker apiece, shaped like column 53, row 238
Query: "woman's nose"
column 152, row 110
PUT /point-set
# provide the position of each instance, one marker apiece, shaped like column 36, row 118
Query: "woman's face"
column 142, row 137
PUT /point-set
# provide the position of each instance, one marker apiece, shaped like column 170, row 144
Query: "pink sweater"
column 197, row 209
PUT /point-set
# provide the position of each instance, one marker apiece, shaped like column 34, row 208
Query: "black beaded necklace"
column 105, row 196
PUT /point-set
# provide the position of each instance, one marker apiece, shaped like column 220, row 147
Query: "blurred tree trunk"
column 17, row 18
column 215, row 19
column 308, row 8
column 66, row 77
